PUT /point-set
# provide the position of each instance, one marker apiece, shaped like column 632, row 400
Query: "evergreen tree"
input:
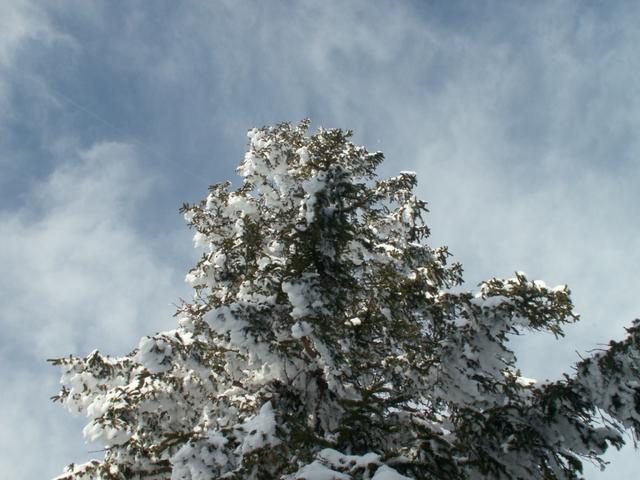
column 326, row 341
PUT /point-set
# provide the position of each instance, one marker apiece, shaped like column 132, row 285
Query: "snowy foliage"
column 325, row 341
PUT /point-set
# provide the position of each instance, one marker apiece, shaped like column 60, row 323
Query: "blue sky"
column 520, row 119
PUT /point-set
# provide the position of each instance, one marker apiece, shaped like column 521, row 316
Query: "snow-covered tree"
column 326, row 340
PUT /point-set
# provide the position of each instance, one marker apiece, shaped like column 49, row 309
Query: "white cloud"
column 23, row 23
column 78, row 268
column 77, row 275
column 20, row 21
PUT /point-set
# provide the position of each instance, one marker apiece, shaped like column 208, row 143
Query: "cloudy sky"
column 520, row 118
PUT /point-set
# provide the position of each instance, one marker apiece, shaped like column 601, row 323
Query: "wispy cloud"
column 23, row 24
column 78, row 267
column 78, row 274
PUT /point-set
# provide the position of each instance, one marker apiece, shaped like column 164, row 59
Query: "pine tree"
column 326, row 341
